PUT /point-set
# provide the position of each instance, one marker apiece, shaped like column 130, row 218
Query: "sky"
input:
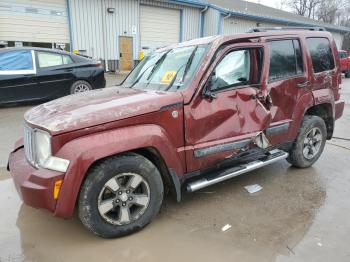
column 271, row 3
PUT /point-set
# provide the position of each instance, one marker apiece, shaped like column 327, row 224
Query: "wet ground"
column 299, row 215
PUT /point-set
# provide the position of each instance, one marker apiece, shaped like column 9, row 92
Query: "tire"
column 96, row 191
column 80, row 87
column 305, row 151
column 347, row 74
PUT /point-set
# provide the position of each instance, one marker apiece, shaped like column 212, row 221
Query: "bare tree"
column 305, row 8
column 329, row 10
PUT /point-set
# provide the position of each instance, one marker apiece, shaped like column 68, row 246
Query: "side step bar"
column 272, row 157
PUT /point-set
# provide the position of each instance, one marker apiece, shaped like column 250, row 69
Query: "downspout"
column 219, row 24
column 201, row 31
column 69, row 27
column 181, row 25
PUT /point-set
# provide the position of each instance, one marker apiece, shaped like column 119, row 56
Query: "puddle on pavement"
column 263, row 224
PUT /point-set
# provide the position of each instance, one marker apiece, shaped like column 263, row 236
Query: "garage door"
column 34, row 21
column 158, row 27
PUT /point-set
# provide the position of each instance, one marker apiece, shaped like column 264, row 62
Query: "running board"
column 272, row 157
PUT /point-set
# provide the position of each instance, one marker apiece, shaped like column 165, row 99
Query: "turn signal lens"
column 57, row 188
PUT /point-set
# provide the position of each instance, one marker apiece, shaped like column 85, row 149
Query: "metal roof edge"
column 189, row 3
column 226, row 11
column 329, row 27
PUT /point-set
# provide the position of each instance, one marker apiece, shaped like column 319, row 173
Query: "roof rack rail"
column 265, row 29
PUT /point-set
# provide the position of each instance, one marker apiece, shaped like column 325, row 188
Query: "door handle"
column 303, row 84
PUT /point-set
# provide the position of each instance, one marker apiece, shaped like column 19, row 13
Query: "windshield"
column 170, row 70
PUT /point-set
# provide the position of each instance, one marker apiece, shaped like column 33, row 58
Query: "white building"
column 116, row 31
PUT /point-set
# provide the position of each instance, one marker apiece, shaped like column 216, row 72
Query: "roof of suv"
column 236, row 37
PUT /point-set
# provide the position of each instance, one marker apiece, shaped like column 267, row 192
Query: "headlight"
column 43, row 146
column 43, row 153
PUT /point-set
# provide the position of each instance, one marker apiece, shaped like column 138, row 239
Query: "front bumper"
column 35, row 186
column 339, row 109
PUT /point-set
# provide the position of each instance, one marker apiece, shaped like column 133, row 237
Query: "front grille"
column 29, row 146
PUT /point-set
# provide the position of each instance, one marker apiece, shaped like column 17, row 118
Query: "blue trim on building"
column 190, row 3
column 201, row 29
column 219, row 24
column 70, row 26
column 181, row 25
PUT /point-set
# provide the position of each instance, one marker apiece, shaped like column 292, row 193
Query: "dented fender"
column 83, row 152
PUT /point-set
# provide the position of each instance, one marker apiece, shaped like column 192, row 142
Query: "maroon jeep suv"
column 188, row 116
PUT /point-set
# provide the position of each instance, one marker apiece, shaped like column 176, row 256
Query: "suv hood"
column 97, row 107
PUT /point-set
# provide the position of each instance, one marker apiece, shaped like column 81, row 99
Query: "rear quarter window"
column 321, row 54
column 48, row 59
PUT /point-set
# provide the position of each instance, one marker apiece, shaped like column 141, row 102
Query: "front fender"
column 83, row 152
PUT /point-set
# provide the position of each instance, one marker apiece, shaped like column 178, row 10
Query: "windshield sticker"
column 168, row 77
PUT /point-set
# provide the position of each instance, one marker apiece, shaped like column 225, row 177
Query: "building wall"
column 234, row 25
column 34, row 21
column 95, row 32
column 338, row 38
column 211, row 22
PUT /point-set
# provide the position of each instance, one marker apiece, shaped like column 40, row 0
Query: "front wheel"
column 310, row 142
column 120, row 195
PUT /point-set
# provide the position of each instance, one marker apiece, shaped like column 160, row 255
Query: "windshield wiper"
column 139, row 77
column 188, row 65
column 160, row 60
column 174, row 78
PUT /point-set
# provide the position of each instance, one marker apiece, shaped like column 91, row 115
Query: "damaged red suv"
column 188, row 116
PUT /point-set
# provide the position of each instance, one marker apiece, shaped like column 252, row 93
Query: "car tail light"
column 99, row 64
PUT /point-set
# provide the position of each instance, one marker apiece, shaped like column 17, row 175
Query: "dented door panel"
column 219, row 128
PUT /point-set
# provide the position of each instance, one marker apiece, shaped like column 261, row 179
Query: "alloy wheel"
column 124, row 198
column 312, row 143
column 80, row 88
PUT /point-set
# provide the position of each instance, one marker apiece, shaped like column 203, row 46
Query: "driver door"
column 223, row 119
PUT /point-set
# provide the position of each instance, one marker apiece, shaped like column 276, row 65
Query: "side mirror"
column 207, row 93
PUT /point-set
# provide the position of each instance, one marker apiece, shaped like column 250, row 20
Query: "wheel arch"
column 86, row 151
column 325, row 111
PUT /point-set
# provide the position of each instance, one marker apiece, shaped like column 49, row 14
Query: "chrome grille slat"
column 29, row 144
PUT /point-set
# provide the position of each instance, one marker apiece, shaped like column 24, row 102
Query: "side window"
column 285, row 59
column 47, row 59
column 234, row 69
column 67, row 59
column 321, row 54
column 16, row 61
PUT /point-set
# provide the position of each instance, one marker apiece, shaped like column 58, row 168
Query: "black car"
column 39, row 74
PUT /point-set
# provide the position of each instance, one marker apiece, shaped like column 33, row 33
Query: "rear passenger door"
column 55, row 74
column 288, row 81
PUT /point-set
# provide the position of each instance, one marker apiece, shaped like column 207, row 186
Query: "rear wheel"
column 80, row 87
column 310, row 142
column 120, row 196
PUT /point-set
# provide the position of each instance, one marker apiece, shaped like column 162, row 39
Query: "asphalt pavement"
column 298, row 215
